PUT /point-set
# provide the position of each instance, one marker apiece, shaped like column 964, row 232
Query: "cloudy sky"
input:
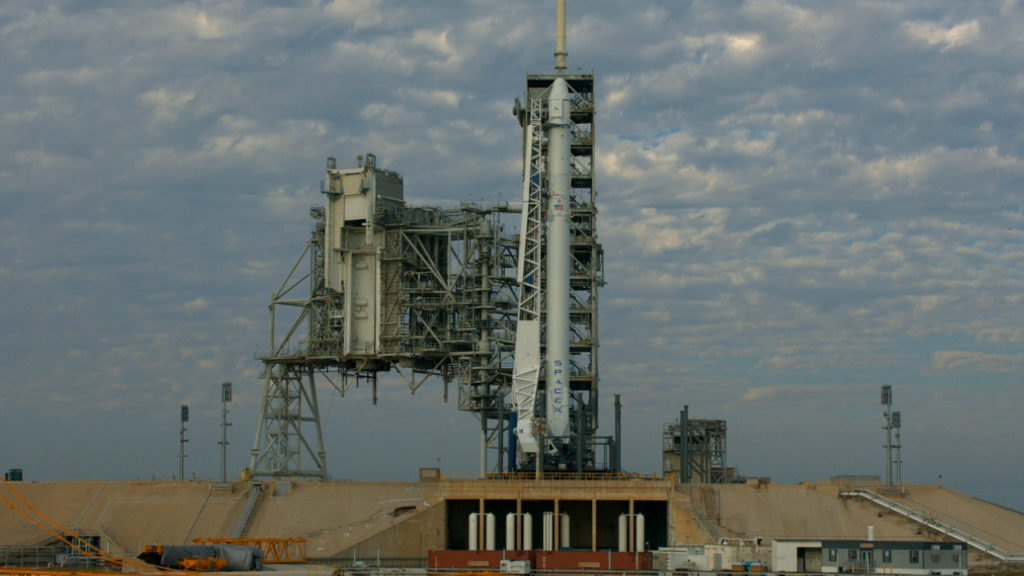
column 799, row 203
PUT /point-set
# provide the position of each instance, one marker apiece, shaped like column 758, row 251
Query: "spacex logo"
column 557, row 388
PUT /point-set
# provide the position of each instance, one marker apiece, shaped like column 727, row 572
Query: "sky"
column 799, row 203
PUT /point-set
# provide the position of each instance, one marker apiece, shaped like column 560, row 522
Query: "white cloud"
column 195, row 305
column 792, row 196
column 388, row 114
column 203, row 24
column 360, row 14
column 167, row 105
column 446, row 98
column 965, row 361
column 934, row 34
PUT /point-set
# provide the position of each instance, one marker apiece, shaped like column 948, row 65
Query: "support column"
column 501, row 436
column 481, row 527
column 630, row 523
column 617, row 448
column 519, row 522
column 593, row 526
column 540, row 456
column 558, row 526
column 483, row 445
column 684, row 452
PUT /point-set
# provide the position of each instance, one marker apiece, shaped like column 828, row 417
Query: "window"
column 832, row 554
column 853, row 554
column 886, row 555
column 915, row 556
column 956, row 558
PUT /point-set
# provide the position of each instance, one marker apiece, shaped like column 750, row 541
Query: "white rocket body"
column 558, row 267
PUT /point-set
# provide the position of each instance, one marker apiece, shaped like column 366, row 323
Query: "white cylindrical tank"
column 623, row 533
column 510, row 531
column 558, row 266
column 527, row 531
column 474, row 530
column 871, row 532
column 563, row 532
column 549, row 531
column 640, row 533
column 490, row 531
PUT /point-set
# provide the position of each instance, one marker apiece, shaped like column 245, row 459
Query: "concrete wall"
column 407, row 519
column 128, row 515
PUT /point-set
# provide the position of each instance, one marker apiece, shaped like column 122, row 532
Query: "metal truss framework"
column 587, row 255
column 705, row 456
column 448, row 311
column 449, row 300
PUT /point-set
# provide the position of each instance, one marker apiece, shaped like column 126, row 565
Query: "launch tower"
column 450, row 295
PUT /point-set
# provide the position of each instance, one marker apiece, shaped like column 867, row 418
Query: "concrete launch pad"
column 403, row 521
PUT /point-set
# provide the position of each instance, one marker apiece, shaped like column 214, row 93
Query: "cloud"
column 966, row 361
column 195, row 305
column 934, row 34
column 167, row 105
column 762, row 393
column 360, row 14
column 203, row 24
column 794, row 200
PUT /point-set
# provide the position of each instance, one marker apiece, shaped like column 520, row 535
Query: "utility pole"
column 225, row 397
column 181, row 443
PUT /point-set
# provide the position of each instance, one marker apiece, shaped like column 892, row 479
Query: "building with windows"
column 870, row 557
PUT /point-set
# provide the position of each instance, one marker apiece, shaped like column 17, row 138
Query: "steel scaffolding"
column 427, row 292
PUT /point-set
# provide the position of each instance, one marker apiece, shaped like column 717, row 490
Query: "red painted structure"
column 563, row 560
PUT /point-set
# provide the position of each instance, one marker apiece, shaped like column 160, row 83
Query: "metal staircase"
column 250, row 506
column 935, row 524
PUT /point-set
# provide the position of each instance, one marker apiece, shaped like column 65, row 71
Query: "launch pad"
column 501, row 300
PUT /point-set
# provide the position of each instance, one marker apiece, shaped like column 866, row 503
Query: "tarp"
column 238, row 557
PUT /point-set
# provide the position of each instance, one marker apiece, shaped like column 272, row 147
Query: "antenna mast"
column 560, row 52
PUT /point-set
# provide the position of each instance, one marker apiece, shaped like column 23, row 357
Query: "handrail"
column 935, row 524
column 250, row 506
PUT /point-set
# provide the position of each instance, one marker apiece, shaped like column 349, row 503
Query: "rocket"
column 557, row 365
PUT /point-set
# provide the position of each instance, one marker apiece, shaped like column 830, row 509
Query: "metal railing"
column 250, row 506
column 935, row 524
column 27, row 556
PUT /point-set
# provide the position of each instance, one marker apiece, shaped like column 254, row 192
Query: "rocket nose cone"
column 559, row 90
column 558, row 103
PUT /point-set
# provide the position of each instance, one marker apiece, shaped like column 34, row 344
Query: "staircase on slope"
column 920, row 517
column 255, row 491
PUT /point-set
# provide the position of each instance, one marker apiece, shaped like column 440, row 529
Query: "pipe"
column 483, row 445
column 581, row 426
column 513, row 420
column 560, row 52
column 501, row 435
column 617, row 449
column 684, row 454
